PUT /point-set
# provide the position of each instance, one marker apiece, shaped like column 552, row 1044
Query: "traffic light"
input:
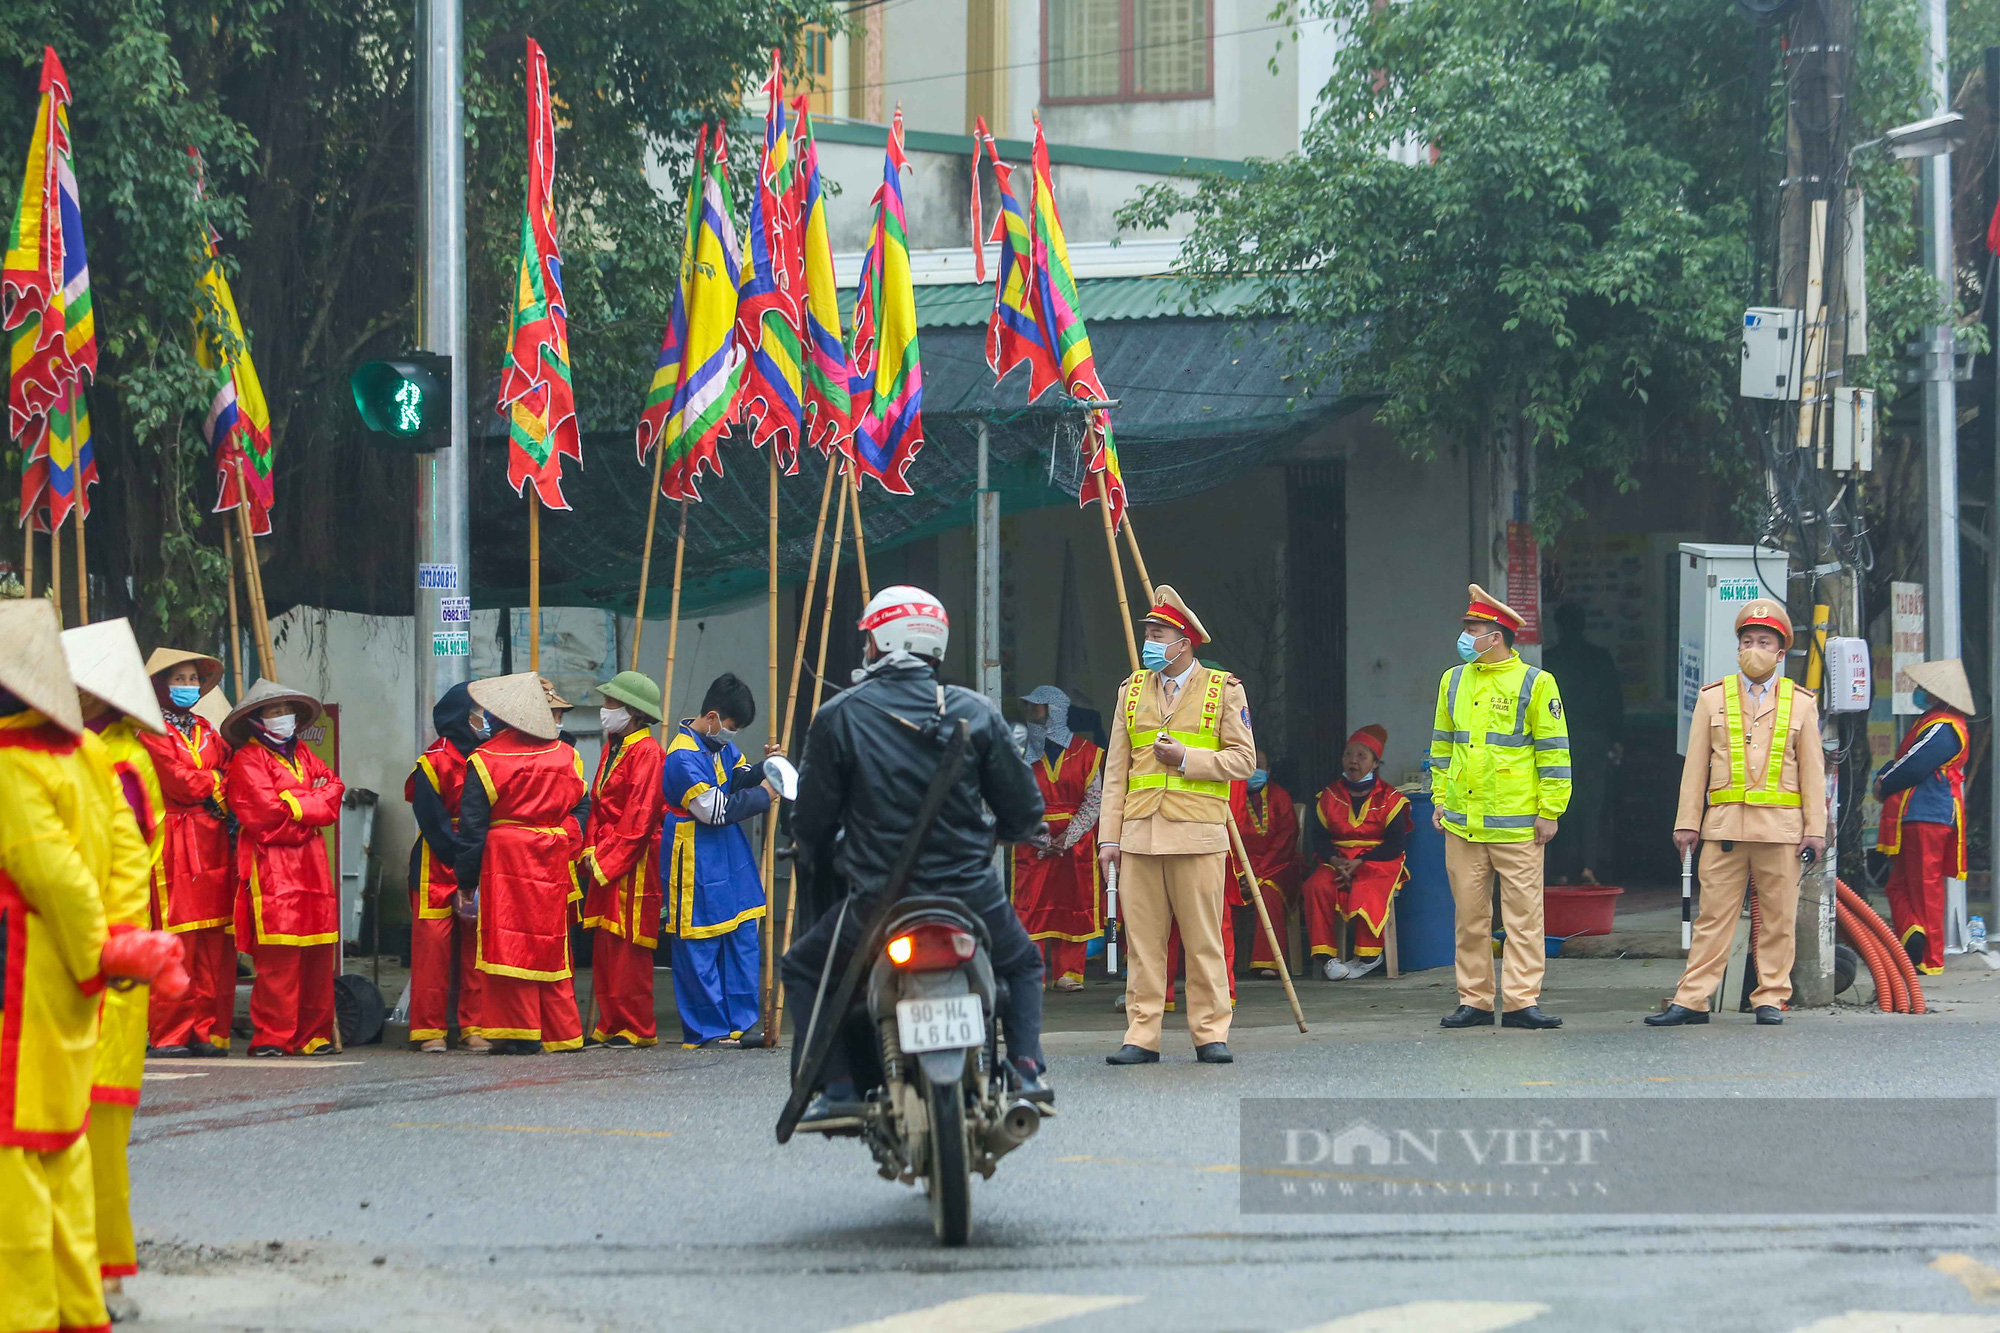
column 407, row 400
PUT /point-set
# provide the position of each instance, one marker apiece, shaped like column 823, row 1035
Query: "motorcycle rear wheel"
column 951, row 1173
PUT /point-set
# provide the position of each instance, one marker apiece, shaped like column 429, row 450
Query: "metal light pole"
column 986, row 531
column 444, row 547
column 1941, row 579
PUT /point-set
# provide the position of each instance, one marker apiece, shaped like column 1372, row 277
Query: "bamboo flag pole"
column 82, row 571
column 1118, row 574
column 55, row 573
column 674, row 618
column 785, row 738
column 235, row 629
column 646, row 560
column 1255, row 894
column 27, row 556
column 534, row 580
column 767, row 863
column 860, row 542
column 253, row 579
column 1132, row 544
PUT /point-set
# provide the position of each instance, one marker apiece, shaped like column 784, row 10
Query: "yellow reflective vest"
column 1499, row 750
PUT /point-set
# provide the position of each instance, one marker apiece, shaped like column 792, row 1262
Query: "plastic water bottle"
column 1976, row 929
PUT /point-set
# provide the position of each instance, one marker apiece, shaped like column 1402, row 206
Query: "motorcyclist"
column 869, row 757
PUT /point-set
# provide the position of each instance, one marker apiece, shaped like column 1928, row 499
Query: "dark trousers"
column 1017, row 960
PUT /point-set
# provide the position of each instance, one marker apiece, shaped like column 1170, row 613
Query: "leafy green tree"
column 304, row 113
column 1536, row 220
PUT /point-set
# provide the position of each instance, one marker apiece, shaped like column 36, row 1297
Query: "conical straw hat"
column 1945, row 680
column 213, row 708
column 236, row 727
column 104, row 659
column 518, row 701
column 165, row 659
column 32, row 665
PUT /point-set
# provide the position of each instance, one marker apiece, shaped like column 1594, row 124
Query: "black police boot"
column 1465, row 1016
column 1530, row 1017
column 1769, row 1016
column 1677, row 1016
column 1214, row 1053
column 1129, row 1054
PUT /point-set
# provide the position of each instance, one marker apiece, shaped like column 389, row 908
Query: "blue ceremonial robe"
column 712, row 892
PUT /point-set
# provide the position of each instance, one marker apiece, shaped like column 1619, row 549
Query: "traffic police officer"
column 1182, row 736
column 1500, row 756
column 1753, row 752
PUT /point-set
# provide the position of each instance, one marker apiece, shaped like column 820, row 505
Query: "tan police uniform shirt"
column 1155, row 822
column 1707, row 767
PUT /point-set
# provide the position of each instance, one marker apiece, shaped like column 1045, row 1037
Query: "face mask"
column 184, row 696
column 482, row 727
column 1921, row 700
column 279, row 728
column 1258, row 777
column 1757, row 663
column 722, row 735
column 1153, row 655
column 1468, row 647
column 613, row 720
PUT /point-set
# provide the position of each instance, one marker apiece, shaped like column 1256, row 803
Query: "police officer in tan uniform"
column 1754, row 758
column 1181, row 735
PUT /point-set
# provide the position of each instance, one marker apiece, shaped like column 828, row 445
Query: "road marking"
column 159, row 1076
column 1656, row 1078
column 1436, row 1317
column 991, row 1312
column 1893, row 1321
column 294, row 1062
column 538, row 1129
column 1981, row 1282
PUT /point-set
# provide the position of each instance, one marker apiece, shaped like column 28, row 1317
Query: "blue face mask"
column 1153, row 655
column 1468, row 647
column 1258, row 777
column 184, row 696
column 1921, row 700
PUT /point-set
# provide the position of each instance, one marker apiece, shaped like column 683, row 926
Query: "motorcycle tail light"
column 932, row 947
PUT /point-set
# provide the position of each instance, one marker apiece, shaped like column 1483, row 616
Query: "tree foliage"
column 304, row 112
column 1538, row 216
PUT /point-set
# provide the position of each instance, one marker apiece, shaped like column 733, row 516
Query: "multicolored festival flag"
column 45, row 288
column 1014, row 332
column 770, row 297
column 888, row 381
column 238, row 425
column 828, row 370
column 536, row 396
column 700, row 357
column 1063, row 331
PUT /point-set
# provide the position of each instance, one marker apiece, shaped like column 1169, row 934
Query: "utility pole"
column 986, row 530
column 444, row 547
column 1991, row 408
column 1941, row 592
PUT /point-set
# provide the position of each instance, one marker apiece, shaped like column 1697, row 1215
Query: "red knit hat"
column 1372, row 737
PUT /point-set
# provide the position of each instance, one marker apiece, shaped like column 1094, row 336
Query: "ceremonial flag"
column 700, row 351
column 536, row 396
column 888, row 382
column 769, row 312
column 1014, row 332
column 1064, row 333
column 45, row 287
column 238, row 425
column 828, row 370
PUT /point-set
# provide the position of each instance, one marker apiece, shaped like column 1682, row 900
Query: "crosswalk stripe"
column 1893, row 1321
column 992, row 1312
column 1435, row 1317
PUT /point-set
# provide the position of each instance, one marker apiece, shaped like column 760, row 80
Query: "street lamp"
column 1932, row 137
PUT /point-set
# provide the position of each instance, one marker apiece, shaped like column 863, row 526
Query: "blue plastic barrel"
column 1426, row 932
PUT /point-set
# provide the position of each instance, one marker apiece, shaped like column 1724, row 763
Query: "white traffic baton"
column 1111, row 920
column 1687, row 900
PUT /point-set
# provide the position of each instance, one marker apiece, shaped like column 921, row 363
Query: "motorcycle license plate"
column 950, row 1022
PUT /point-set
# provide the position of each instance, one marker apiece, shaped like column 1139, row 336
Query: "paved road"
column 387, row 1190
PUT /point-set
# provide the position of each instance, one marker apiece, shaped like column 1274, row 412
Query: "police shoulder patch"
column 1556, row 707
column 1246, row 715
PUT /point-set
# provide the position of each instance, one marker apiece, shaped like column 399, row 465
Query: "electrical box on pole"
column 1771, row 350
column 1853, row 430
column 1716, row 583
column 405, row 402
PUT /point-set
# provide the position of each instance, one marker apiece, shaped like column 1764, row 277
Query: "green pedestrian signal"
column 406, row 401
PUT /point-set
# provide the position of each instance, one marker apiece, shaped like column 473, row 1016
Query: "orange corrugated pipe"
column 1870, row 949
column 1898, row 956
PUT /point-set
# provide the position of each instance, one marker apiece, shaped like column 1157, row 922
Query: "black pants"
column 1017, row 960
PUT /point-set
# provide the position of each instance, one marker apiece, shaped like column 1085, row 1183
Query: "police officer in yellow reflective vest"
column 1182, row 735
column 1753, row 754
column 1500, row 766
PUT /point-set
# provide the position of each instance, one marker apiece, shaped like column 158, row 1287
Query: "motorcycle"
column 938, row 1103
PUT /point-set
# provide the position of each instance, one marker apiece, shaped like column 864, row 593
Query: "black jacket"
column 865, row 774
column 450, row 719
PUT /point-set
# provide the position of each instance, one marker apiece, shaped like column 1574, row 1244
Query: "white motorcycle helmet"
column 906, row 619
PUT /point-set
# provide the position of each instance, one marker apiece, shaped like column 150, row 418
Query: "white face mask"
column 613, row 720
column 279, row 728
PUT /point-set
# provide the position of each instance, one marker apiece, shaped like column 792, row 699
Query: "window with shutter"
column 1126, row 50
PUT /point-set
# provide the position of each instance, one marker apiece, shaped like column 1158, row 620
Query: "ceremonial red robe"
column 287, row 904
column 1269, row 823
column 622, row 899
column 1373, row 891
column 439, row 941
column 1057, row 897
column 194, row 887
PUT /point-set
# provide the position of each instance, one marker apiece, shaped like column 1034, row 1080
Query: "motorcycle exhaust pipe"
column 1016, row 1125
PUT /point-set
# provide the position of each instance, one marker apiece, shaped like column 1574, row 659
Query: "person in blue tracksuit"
column 712, row 893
